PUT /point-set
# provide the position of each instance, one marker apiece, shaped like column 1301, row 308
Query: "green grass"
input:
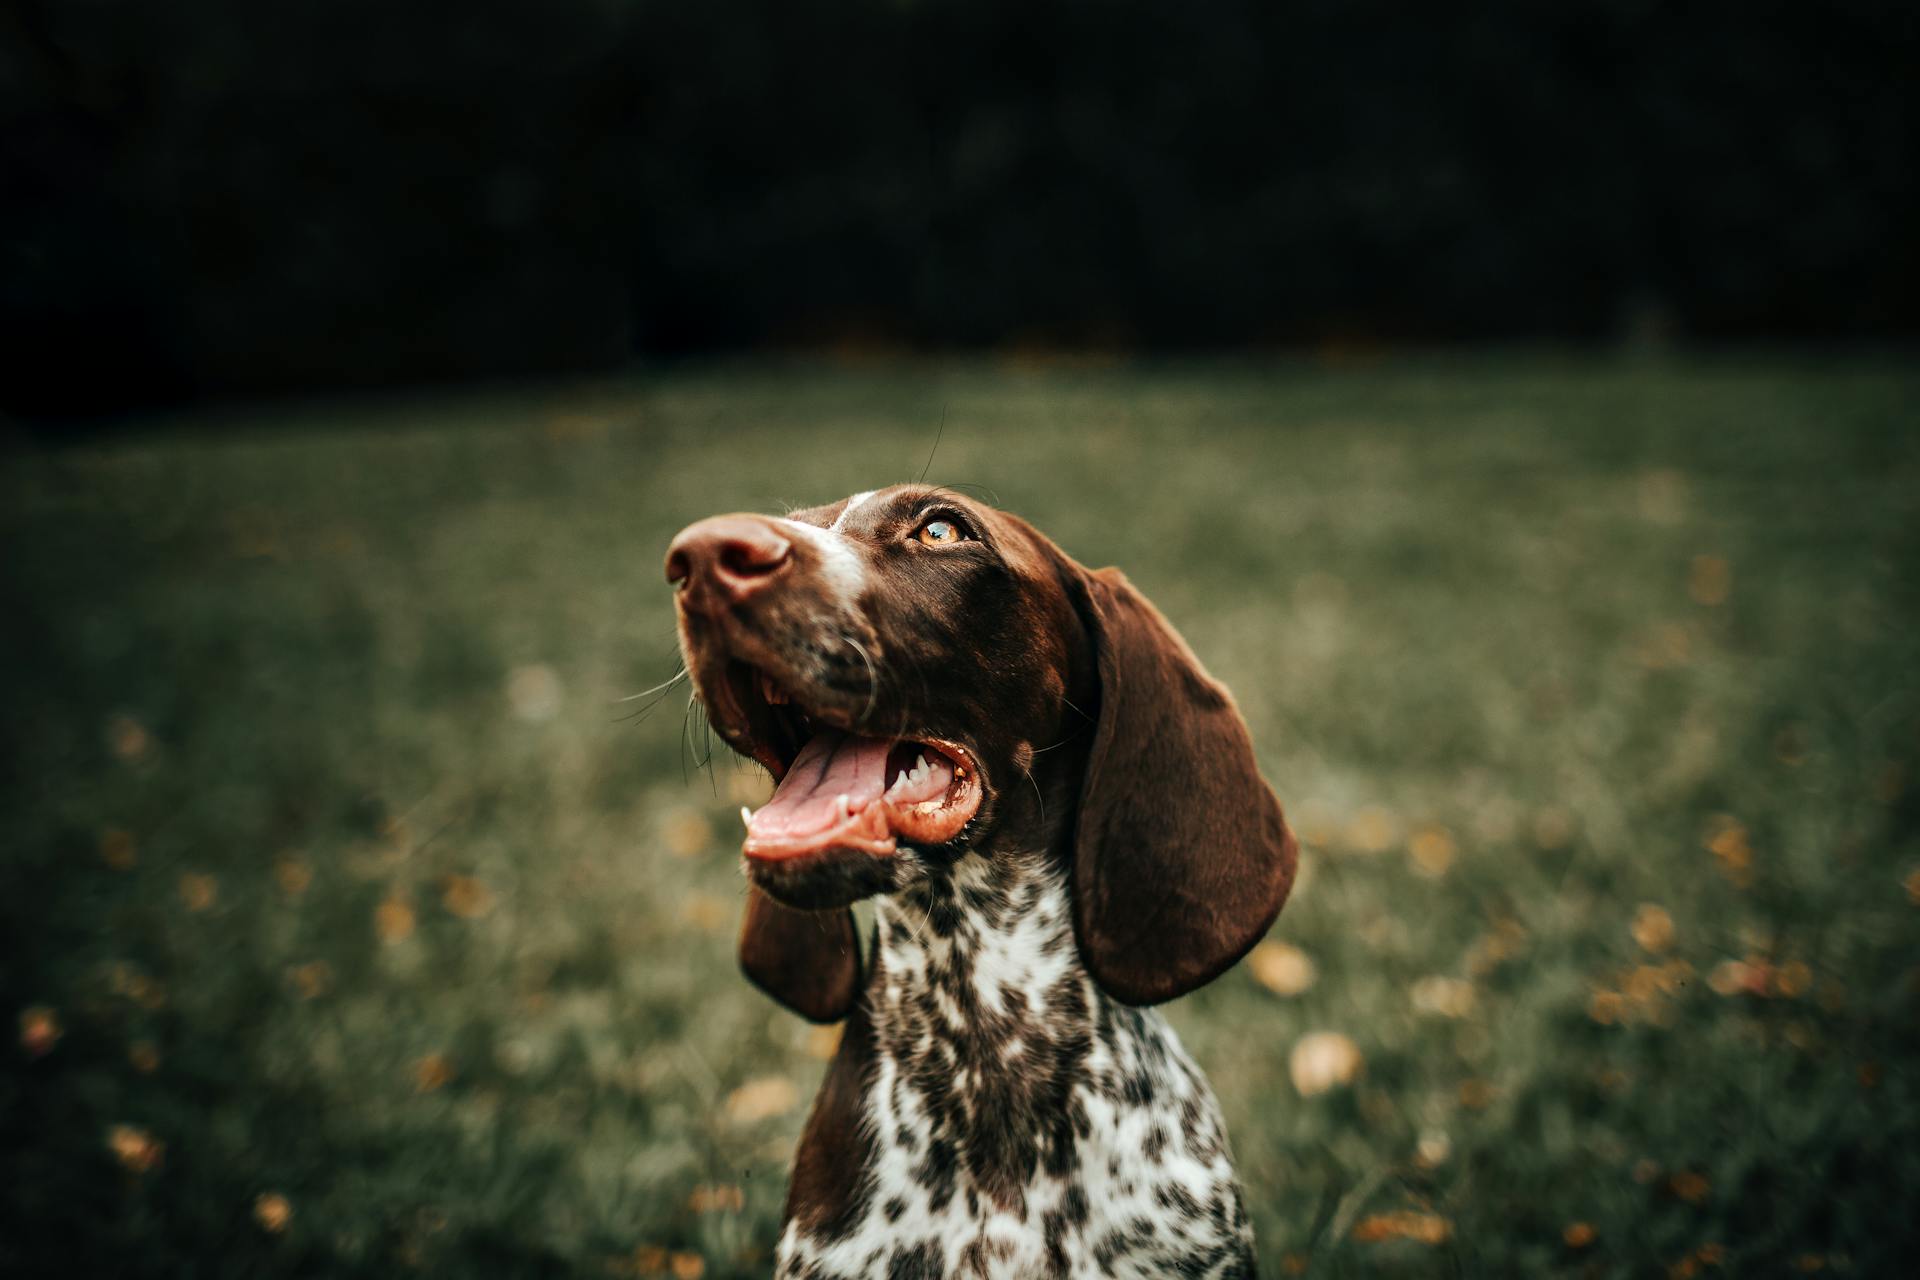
column 1558, row 625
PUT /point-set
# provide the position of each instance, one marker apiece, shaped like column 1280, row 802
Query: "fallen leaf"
column 431, row 1072
column 704, row 911
column 137, row 1150
column 117, row 849
column 466, row 897
column 1281, row 968
column 761, row 1099
column 1689, row 1186
column 199, row 891
column 1323, row 1060
column 534, row 692
column 1403, row 1224
column 312, row 980
column 1477, row 1095
column 294, row 876
column 717, row 1198
column 1652, row 927
column 1445, row 997
column 823, row 1042
column 40, row 1030
column 393, row 920
column 1432, row 851
column 687, row 833
column 272, row 1212
column 1709, row 580
column 1371, row 830
column 1578, row 1235
column 127, row 738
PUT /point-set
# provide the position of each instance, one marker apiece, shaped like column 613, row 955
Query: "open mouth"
column 836, row 789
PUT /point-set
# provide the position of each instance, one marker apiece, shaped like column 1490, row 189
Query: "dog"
column 1058, row 814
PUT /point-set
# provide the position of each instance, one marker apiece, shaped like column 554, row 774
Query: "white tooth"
column 920, row 765
column 844, row 802
column 746, row 817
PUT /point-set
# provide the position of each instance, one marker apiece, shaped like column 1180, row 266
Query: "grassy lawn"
column 352, row 923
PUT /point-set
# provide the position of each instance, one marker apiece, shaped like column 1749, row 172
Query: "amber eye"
column 940, row 533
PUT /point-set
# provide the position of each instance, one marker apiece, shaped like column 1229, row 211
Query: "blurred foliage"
column 353, row 924
column 215, row 196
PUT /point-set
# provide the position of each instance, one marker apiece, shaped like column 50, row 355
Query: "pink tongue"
column 831, row 765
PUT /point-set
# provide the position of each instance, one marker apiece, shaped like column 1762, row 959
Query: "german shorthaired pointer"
column 1060, row 817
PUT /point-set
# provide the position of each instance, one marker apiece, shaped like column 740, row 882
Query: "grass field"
column 353, row 925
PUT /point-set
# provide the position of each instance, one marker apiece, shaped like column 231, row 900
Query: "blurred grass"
column 334, row 864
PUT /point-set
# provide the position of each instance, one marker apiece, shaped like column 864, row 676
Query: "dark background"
column 215, row 198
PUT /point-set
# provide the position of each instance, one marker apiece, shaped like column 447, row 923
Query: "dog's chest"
column 1015, row 1121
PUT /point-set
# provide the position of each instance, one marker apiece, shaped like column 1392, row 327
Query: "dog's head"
column 919, row 672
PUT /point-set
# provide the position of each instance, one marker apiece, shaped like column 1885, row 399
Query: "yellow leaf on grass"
column 272, row 1211
column 1371, row 830
column 1323, row 1060
column 1432, row 851
column 40, row 1030
column 198, row 892
column 1444, row 997
column 137, row 1150
column 393, row 920
column 1709, row 580
column 127, row 738
column 687, row 833
column 704, row 911
column 1281, row 968
column 466, row 897
column 1689, row 1186
column 823, row 1042
column 1653, row 927
column 312, row 980
column 761, row 1099
column 431, row 1072
column 117, row 849
column 717, row 1198
column 294, row 876
column 1403, row 1224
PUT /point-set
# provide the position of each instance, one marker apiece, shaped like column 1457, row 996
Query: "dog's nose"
column 725, row 559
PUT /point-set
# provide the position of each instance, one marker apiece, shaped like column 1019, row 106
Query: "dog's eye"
column 940, row 533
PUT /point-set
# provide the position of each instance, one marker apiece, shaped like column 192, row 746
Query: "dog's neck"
column 983, row 1019
column 977, row 944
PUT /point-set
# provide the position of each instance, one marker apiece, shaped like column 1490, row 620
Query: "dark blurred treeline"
column 215, row 196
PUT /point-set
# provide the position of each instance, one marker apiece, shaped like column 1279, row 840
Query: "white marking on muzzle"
column 840, row 564
column 847, row 510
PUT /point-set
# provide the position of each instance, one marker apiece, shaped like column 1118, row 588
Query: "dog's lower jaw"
column 1014, row 1118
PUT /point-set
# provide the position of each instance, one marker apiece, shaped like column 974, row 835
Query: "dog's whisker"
column 1054, row 746
column 941, row 431
column 873, row 678
column 1037, row 796
column 664, row 685
column 641, row 715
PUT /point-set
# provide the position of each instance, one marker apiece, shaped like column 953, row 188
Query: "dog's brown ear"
column 807, row 960
column 1181, row 856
